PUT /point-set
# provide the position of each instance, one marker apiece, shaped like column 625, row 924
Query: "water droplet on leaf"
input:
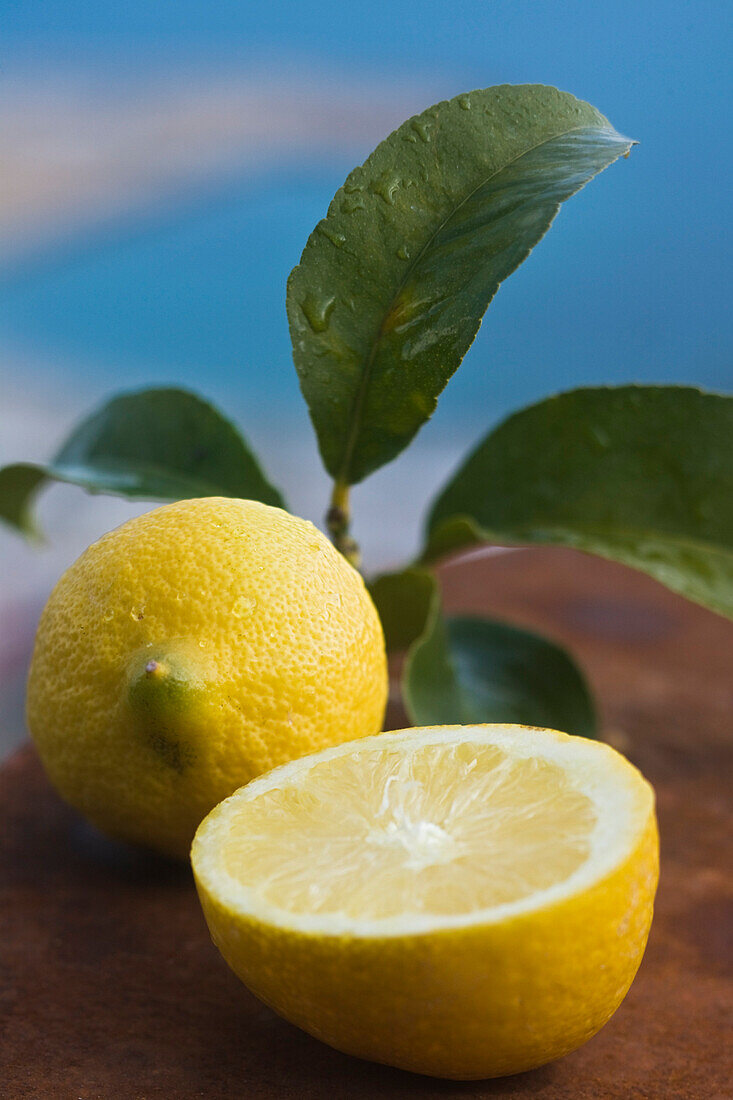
column 317, row 311
column 336, row 239
column 349, row 205
column 386, row 186
column 422, row 128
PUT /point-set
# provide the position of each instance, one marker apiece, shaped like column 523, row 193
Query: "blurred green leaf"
column 18, row 486
column 466, row 670
column 392, row 284
column 639, row 474
column 164, row 444
column 403, row 601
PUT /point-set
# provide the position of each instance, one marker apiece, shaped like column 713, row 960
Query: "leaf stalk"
column 338, row 522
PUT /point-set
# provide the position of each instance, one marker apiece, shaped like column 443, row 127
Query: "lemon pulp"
column 459, row 901
column 437, row 830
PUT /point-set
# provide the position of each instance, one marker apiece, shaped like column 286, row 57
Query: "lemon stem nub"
column 157, row 670
column 165, row 694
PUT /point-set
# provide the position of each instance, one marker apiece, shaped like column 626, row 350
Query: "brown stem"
column 338, row 521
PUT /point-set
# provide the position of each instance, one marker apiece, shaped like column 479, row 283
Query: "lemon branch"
column 338, row 522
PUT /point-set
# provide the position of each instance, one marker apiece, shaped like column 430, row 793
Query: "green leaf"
column 18, row 486
column 466, row 670
column 392, row 284
column 164, row 444
column 639, row 474
column 403, row 601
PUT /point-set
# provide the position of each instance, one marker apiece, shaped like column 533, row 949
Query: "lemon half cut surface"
column 464, row 902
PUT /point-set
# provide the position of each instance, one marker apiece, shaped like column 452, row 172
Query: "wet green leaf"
column 639, row 474
column 164, row 444
column 466, row 670
column 393, row 283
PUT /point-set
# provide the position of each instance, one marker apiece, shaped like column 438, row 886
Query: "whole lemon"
column 191, row 649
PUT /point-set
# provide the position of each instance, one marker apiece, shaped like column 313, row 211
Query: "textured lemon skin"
column 469, row 1002
column 277, row 626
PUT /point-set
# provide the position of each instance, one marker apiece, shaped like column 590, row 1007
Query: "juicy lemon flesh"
column 444, row 829
column 464, row 902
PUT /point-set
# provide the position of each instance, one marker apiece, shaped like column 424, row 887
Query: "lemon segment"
column 464, row 902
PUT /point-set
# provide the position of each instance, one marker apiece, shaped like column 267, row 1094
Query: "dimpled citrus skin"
column 476, row 1002
column 284, row 647
column 484, row 997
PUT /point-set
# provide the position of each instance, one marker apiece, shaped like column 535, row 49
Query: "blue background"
column 630, row 284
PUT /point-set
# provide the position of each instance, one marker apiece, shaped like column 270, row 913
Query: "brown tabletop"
column 110, row 987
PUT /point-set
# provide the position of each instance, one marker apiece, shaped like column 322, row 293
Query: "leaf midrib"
column 66, row 472
column 361, row 393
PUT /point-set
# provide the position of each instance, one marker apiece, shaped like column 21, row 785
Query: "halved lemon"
column 464, row 901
